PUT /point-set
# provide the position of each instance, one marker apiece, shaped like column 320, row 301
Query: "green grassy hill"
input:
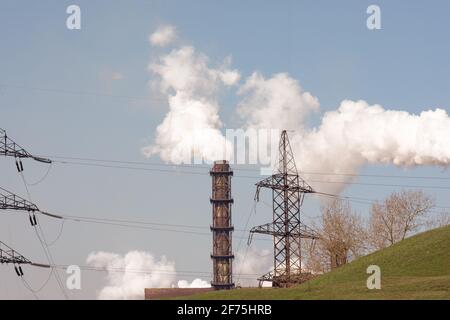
column 415, row 268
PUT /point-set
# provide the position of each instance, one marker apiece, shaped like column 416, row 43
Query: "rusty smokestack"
column 222, row 227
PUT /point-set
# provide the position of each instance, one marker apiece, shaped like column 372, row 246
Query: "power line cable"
column 137, row 226
column 43, row 242
column 248, row 245
column 61, row 228
column 201, row 166
column 42, row 178
column 146, row 271
column 140, row 222
column 26, row 285
column 79, row 92
column 44, row 284
column 251, row 177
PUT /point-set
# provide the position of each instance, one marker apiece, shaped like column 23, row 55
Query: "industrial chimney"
column 222, row 228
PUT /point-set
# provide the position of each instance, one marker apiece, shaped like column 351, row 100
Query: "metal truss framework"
column 9, row 255
column 11, row 201
column 288, row 191
column 8, row 200
column 10, row 148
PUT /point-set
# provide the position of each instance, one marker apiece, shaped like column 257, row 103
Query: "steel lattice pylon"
column 11, row 201
column 8, row 200
column 10, row 148
column 288, row 191
column 9, row 255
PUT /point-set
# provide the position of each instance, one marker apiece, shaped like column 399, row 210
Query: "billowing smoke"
column 353, row 135
column 346, row 139
column 250, row 264
column 358, row 133
column 191, row 128
column 196, row 283
column 128, row 275
column 278, row 102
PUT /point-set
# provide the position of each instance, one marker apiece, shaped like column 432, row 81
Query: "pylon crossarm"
column 303, row 232
column 276, row 182
column 10, row 201
column 9, row 255
column 308, row 232
column 266, row 277
column 10, row 148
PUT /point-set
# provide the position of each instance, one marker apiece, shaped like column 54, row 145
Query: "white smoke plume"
column 250, row 264
column 279, row 100
column 346, row 139
column 196, row 283
column 163, row 36
column 128, row 275
column 358, row 133
column 191, row 128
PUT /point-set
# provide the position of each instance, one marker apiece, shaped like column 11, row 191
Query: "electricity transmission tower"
column 11, row 201
column 10, row 148
column 288, row 191
column 9, row 255
column 8, row 200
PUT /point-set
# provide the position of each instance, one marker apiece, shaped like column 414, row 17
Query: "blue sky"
column 323, row 44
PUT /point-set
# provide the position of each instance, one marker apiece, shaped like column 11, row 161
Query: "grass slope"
column 415, row 268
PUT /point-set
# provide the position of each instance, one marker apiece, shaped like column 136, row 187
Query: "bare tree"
column 342, row 238
column 440, row 220
column 398, row 216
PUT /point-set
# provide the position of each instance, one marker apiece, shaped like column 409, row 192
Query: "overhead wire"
column 94, row 220
column 79, row 92
column 130, row 223
column 84, row 218
column 371, row 201
column 248, row 245
column 202, row 166
column 146, row 227
column 61, row 228
column 26, row 285
column 44, row 284
column 200, row 173
column 147, row 271
column 49, row 167
column 41, row 237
